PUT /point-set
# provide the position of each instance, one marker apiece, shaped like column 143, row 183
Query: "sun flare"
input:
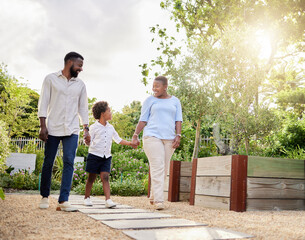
column 264, row 40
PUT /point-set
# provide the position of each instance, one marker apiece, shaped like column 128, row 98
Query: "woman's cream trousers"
column 159, row 153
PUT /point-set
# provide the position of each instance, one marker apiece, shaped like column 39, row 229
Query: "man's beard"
column 73, row 72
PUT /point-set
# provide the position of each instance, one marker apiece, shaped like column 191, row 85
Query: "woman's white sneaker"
column 88, row 202
column 109, row 204
column 44, row 203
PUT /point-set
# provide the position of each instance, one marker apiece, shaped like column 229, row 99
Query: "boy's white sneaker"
column 109, row 204
column 44, row 203
column 66, row 206
column 88, row 202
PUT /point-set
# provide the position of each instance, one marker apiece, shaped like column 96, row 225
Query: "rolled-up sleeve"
column 179, row 117
column 83, row 106
column 145, row 110
column 44, row 98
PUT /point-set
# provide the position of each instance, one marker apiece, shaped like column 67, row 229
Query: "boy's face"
column 107, row 114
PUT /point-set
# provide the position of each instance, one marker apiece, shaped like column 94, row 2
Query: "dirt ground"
column 21, row 218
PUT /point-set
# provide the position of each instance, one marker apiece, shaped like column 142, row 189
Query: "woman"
column 161, row 118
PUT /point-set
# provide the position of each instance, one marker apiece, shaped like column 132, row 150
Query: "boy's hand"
column 134, row 146
column 135, row 140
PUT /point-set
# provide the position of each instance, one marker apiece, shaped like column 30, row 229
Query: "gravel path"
column 22, row 219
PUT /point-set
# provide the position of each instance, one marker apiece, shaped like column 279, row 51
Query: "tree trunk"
column 197, row 140
column 223, row 148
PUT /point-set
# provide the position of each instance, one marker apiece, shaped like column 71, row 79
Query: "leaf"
column 2, row 195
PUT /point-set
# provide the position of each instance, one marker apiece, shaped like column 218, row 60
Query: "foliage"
column 129, row 163
column 82, row 151
column 128, row 187
column 4, row 145
column 18, row 106
column 79, row 175
column 2, row 195
column 24, row 180
column 126, row 122
column 58, row 168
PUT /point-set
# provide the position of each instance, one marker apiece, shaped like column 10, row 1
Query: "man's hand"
column 87, row 137
column 176, row 142
column 43, row 134
column 134, row 146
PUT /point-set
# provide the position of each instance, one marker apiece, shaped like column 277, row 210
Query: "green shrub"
column 79, row 175
column 82, row 151
column 128, row 187
column 24, row 180
column 4, row 146
column 125, row 165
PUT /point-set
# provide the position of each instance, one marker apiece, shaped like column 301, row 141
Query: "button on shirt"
column 101, row 139
column 62, row 102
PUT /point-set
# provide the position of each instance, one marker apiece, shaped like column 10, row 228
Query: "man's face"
column 76, row 67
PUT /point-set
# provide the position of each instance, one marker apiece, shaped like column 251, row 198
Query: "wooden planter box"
column 241, row 183
column 177, row 185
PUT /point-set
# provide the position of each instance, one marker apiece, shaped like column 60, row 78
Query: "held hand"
column 43, row 134
column 135, row 140
column 134, row 146
column 176, row 142
column 87, row 138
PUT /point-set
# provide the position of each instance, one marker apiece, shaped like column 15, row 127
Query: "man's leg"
column 51, row 147
column 69, row 144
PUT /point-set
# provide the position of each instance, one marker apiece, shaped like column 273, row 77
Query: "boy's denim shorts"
column 96, row 164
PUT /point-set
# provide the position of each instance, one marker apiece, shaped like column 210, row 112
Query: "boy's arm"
column 127, row 143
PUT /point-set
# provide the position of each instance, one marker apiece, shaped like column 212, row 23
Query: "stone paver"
column 151, row 223
column 113, row 210
column 191, row 233
column 142, row 224
column 130, row 216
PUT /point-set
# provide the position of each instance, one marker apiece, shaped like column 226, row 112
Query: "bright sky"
column 112, row 35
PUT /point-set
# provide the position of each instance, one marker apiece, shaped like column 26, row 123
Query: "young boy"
column 99, row 156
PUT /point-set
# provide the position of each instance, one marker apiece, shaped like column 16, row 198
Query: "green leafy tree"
column 224, row 60
column 18, row 106
column 125, row 122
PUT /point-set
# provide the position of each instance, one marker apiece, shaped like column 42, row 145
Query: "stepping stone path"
column 142, row 224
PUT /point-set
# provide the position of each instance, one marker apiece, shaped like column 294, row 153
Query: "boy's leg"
column 69, row 144
column 106, row 186
column 51, row 147
column 89, row 184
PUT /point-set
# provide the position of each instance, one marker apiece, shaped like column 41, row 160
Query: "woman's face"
column 159, row 88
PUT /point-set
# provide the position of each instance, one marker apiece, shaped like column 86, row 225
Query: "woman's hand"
column 135, row 140
column 176, row 142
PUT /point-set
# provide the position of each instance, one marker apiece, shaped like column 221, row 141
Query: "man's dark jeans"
column 69, row 144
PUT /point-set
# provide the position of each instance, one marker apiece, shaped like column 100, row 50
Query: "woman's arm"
column 176, row 142
column 139, row 128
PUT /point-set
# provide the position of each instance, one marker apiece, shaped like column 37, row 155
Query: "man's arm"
column 43, row 133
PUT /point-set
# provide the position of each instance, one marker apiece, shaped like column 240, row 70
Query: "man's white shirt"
column 62, row 102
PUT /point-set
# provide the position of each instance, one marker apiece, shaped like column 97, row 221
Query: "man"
column 63, row 98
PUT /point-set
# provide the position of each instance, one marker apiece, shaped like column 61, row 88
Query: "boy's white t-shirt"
column 101, row 139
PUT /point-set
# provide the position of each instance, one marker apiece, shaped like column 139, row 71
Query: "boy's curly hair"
column 99, row 108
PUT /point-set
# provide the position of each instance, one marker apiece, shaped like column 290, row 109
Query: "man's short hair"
column 72, row 56
column 99, row 108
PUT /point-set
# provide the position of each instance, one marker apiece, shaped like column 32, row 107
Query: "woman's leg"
column 154, row 149
column 89, row 184
column 106, row 186
column 169, row 151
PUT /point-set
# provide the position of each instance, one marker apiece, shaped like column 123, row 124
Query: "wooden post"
column 238, row 195
column 193, row 182
column 174, row 181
